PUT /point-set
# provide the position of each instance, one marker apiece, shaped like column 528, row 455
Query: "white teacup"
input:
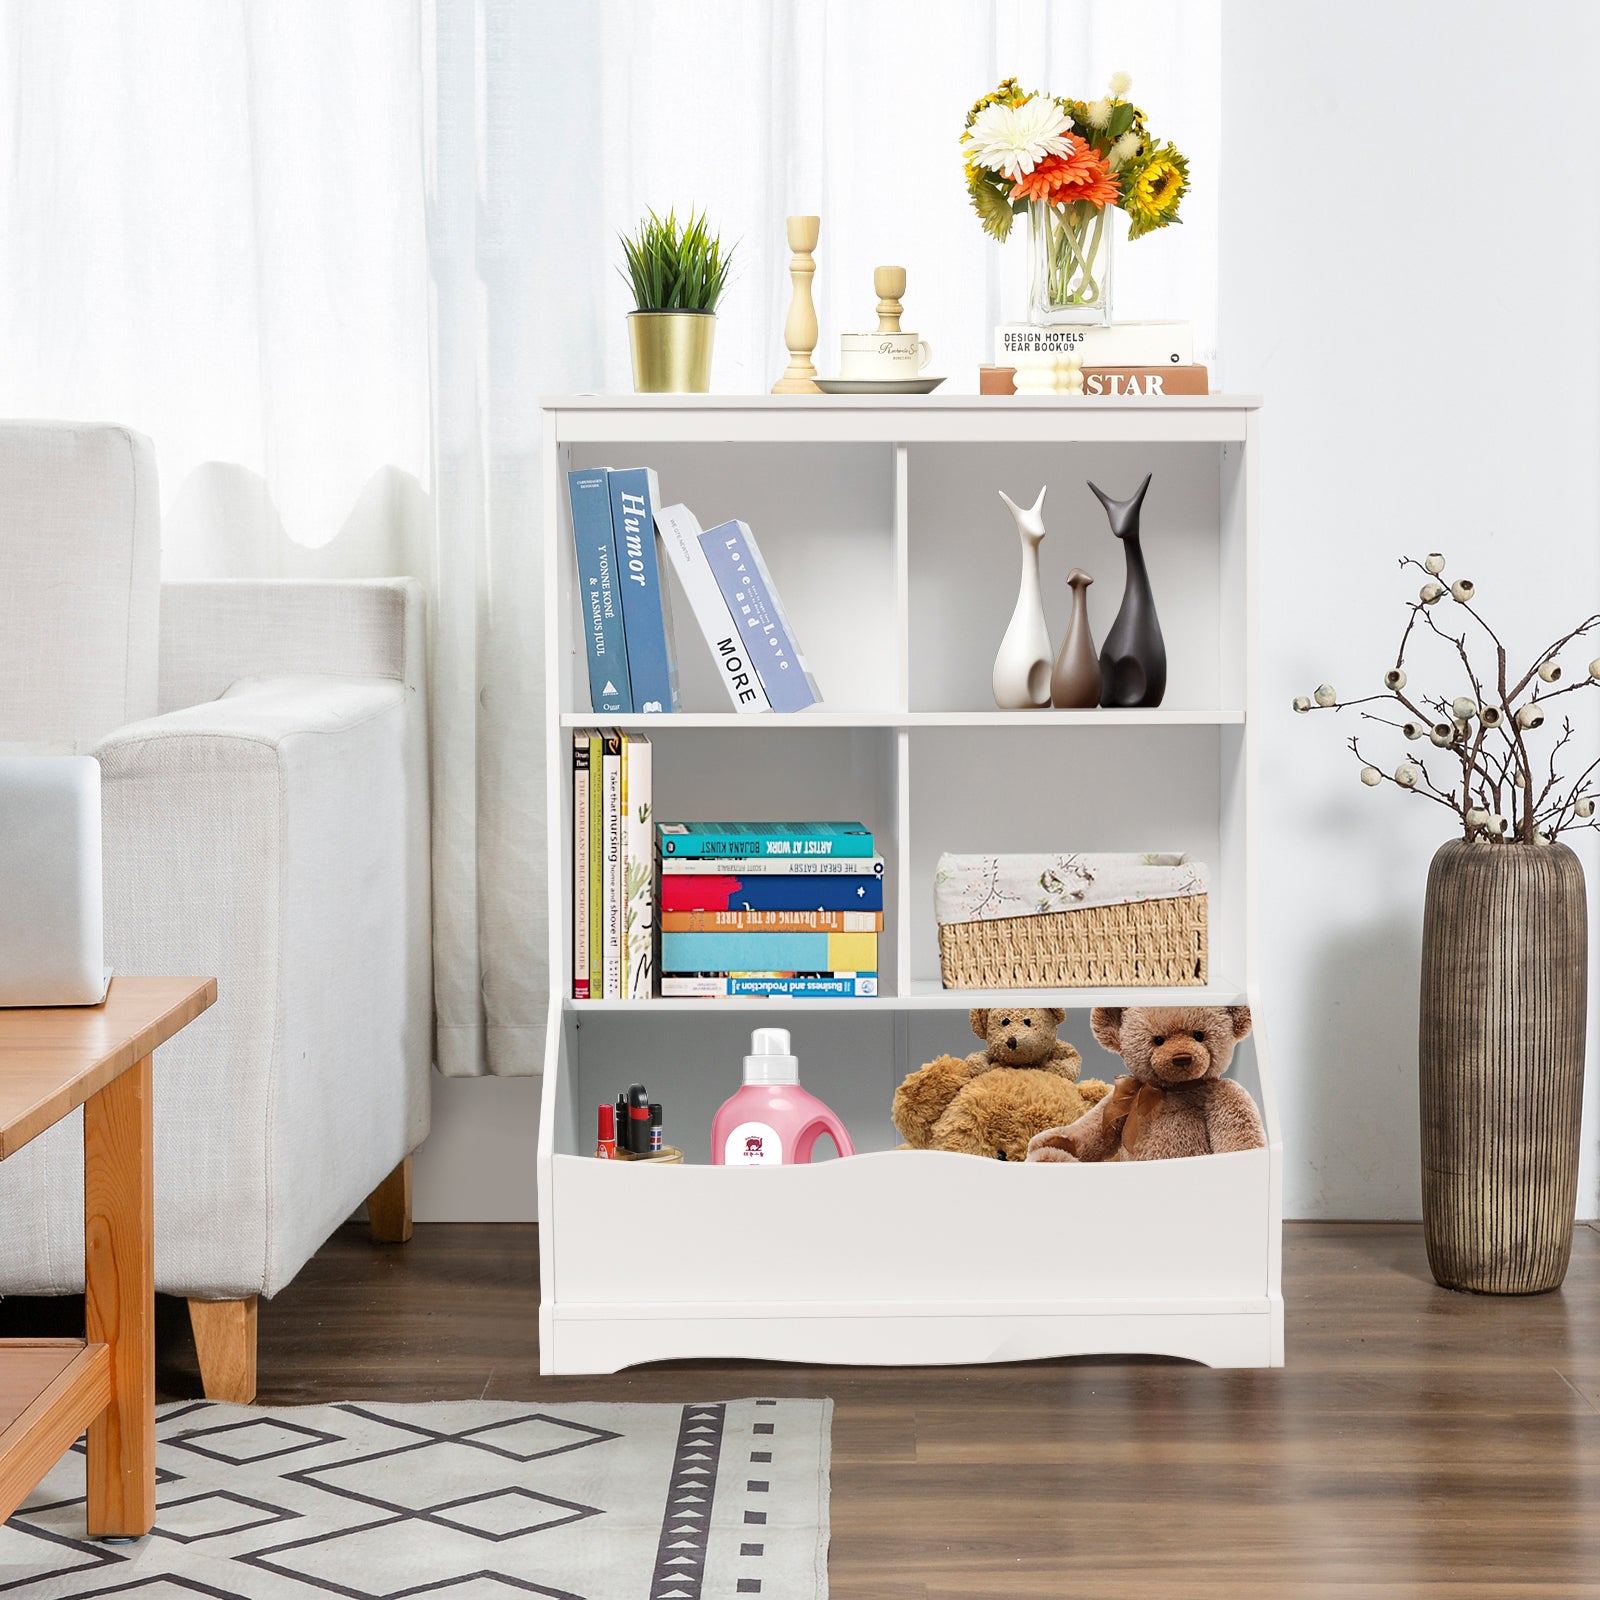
column 882, row 355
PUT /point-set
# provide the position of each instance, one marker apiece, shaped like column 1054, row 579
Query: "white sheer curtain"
column 330, row 253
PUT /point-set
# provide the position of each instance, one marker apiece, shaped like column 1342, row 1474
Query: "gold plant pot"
column 671, row 351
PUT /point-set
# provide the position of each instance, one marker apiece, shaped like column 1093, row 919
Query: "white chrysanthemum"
column 1014, row 139
column 1099, row 113
column 1121, row 83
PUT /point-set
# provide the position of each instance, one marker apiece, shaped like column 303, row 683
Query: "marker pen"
column 606, row 1144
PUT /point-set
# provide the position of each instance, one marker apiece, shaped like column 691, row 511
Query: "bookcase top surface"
column 982, row 404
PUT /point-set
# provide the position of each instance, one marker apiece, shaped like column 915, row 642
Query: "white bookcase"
column 899, row 565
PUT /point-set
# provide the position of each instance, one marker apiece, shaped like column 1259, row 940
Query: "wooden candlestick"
column 800, row 326
column 890, row 282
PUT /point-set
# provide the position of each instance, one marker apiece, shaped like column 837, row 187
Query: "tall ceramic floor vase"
column 1133, row 658
column 1504, row 1003
column 1022, row 668
column 1075, row 682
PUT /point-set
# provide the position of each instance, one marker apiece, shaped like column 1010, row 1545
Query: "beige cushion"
column 80, row 557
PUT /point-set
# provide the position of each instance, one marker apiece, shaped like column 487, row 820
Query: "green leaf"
column 993, row 208
column 1121, row 120
column 673, row 267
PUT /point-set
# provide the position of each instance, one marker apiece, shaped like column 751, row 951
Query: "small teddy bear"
column 1173, row 1100
column 993, row 1102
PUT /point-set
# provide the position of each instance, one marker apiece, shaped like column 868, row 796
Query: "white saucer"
column 878, row 385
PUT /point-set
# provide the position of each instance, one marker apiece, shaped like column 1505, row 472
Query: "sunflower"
column 1155, row 186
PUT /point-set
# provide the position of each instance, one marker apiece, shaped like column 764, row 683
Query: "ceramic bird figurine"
column 1133, row 659
column 1022, row 668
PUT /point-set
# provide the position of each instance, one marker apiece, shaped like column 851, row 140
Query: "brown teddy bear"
column 1173, row 1100
column 993, row 1102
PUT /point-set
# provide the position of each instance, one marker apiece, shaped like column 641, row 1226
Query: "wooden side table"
column 51, row 1062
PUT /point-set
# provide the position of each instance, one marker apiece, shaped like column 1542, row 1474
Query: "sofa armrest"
column 215, row 633
column 277, row 837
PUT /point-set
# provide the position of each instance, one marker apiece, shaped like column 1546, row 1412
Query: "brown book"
column 772, row 922
column 1111, row 380
column 1146, row 380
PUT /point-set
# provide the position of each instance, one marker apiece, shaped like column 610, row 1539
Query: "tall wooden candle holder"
column 800, row 326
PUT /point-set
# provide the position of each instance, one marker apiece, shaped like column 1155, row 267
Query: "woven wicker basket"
column 1150, row 942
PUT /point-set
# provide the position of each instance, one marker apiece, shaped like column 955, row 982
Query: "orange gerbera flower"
column 1079, row 175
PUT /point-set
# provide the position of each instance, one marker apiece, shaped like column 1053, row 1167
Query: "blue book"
column 652, row 660
column 596, row 548
column 788, row 840
column 753, row 603
column 752, row 893
column 769, row 952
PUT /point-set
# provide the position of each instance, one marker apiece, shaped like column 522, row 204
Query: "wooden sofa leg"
column 389, row 1207
column 225, row 1340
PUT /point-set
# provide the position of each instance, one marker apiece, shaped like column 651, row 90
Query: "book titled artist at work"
column 765, row 840
column 646, row 614
column 596, row 550
column 752, row 600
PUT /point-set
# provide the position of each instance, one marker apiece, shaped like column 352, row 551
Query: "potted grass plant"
column 677, row 273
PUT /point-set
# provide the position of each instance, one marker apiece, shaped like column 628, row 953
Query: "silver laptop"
column 52, row 948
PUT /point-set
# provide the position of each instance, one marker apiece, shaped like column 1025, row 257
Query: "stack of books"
column 1126, row 358
column 769, row 908
column 613, row 866
column 620, row 530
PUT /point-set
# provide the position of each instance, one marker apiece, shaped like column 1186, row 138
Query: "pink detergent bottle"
column 772, row 1121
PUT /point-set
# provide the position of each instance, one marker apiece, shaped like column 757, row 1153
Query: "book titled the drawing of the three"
column 620, row 531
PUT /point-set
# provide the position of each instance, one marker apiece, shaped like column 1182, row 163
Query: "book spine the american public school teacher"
column 646, row 615
column 580, row 865
column 753, row 602
column 680, row 535
column 764, row 840
column 596, row 550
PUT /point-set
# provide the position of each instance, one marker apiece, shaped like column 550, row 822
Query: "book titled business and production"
column 646, row 609
column 580, row 864
column 611, row 866
column 783, row 985
column 765, row 840
column 752, row 599
column 680, row 532
column 769, row 952
column 597, row 876
column 638, row 870
column 596, row 549
column 738, row 890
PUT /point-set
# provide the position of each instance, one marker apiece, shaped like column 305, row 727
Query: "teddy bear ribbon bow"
column 1130, row 1107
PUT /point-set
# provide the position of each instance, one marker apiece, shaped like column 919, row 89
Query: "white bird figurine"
column 1022, row 668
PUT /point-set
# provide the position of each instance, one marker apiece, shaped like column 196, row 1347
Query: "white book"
column 638, row 870
column 1123, row 344
column 680, row 531
column 611, row 866
column 774, row 866
column 580, row 864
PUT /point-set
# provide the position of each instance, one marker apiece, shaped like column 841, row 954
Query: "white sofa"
column 263, row 756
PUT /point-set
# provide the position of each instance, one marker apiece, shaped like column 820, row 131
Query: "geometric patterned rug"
column 482, row 1500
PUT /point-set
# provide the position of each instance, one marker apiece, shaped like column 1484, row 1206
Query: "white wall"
column 1409, row 274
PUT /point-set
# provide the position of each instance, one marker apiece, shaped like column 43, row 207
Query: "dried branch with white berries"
column 1485, row 730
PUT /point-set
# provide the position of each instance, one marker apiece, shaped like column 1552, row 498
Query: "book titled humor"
column 646, row 615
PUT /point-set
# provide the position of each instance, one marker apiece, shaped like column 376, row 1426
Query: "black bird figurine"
column 1133, row 659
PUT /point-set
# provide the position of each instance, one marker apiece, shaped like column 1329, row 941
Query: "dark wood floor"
column 1418, row 1442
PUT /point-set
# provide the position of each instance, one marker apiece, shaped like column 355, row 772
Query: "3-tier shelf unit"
column 898, row 565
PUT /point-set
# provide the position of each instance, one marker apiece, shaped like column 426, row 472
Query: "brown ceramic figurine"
column 1076, row 681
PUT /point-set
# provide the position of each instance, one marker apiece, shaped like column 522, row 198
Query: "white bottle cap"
column 769, row 1060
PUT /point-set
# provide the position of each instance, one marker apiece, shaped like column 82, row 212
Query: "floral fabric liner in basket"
column 987, row 888
column 1071, row 921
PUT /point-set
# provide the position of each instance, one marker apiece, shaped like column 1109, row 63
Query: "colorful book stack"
column 769, row 908
column 1126, row 358
column 613, row 867
column 620, row 531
